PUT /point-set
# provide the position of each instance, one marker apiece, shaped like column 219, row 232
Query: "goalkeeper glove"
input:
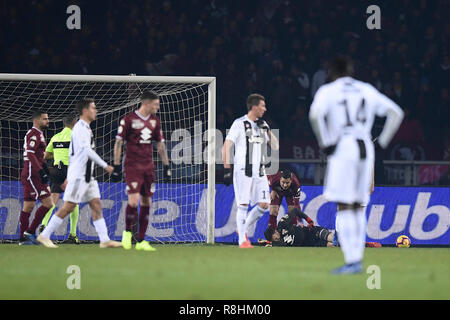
column 116, row 176
column 262, row 124
column 310, row 223
column 227, row 177
column 167, row 173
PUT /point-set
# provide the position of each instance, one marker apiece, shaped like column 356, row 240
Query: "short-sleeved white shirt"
column 242, row 128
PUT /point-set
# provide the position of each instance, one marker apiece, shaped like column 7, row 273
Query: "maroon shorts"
column 140, row 180
column 290, row 201
column 33, row 188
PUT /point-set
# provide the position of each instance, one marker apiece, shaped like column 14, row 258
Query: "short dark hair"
column 37, row 114
column 253, row 100
column 342, row 66
column 83, row 104
column 69, row 119
column 149, row 95
column 286, row 174
column 269, row 233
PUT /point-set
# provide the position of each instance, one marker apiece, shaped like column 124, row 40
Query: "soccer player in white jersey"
column 81, row 185
column 249, row 135
column 342, row 115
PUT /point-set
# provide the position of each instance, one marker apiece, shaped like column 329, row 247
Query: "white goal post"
column 187, row 102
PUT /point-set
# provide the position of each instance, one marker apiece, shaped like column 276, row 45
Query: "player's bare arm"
column 372, row 187
column 226, row 158
column 226, row 153
column 273, row 141
column 162, row 151
column 118, row 145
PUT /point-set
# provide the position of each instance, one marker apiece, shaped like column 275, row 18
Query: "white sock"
column 348, row 235
column 241, row 216
column 253, row 216
column 54, row 223
column 361, row 232
column 100, row 227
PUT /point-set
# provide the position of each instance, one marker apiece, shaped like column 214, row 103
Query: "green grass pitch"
column 219, row 272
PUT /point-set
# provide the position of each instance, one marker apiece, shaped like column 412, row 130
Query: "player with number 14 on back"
column 138, row 130
column 342, row 115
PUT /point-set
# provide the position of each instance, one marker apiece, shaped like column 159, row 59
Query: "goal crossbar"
column 105, row 78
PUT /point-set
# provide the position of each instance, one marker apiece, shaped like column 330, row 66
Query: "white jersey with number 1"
column 250, row 186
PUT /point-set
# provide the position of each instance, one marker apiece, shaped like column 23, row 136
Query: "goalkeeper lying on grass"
column 288, row 234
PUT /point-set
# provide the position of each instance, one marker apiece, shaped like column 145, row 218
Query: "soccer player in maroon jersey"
column 284, row 184
column 138, row 130
column 34, row 177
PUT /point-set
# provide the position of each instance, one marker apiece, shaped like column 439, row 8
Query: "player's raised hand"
column 116, row 176
column 109, row 169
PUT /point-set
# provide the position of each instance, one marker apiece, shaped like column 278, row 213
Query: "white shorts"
column 250, row 190
column 79, row 190
column 348, row 177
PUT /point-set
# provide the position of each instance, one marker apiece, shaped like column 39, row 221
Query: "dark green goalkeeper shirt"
column 59, row 146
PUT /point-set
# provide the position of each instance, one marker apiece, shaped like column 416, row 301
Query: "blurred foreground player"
column 249, row 135
column 138, row 130
column 81, row 185
column 342, row 115
column 34, row 178
column 58, row 150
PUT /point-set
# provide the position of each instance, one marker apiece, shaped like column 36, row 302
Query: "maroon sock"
column 130, row 218
column 144, row 213
column 24, row 221
column 294, row 221
column 273, row 221
column 40, row 214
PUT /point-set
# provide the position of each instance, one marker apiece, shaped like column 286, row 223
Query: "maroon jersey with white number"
column 33, row 151
column 139, row 132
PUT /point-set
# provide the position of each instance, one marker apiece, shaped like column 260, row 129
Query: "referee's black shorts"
column 57, row 178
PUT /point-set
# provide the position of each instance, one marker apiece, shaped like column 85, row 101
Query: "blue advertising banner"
column 178, row 213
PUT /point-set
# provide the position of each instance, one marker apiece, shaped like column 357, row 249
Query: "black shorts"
column 57, row 178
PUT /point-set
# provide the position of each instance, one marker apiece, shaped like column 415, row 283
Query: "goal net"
column 182, row 210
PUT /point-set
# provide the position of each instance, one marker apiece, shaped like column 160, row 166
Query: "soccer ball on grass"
column 403, row 242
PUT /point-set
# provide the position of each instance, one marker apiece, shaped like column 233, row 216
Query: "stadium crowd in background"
column 281, row 48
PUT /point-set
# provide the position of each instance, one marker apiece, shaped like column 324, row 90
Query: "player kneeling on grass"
column 139, row 129
column 81, row 186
